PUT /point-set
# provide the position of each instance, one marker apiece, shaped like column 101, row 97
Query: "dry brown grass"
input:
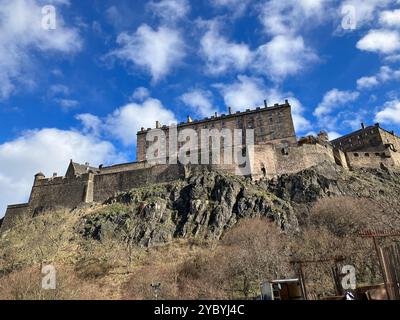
column 253, row 251
column 26, row 284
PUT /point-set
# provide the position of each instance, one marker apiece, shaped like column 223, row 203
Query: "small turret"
column 323, row 136
column 39, row 176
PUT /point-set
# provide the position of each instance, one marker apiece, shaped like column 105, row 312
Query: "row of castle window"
column 367, row 154
column 358, row 137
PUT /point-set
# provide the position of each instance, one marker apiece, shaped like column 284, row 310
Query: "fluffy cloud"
column 140, row 94
column 67, row 104
column 157, row 51
column 245, row 93
column 236, row 6
column 249, row 92
column 385, row 74
column 367, row 82
column 283, row 56
column 390, row 18
column 170, row 10
column 46, row 150
column 22, row 36
column 288, row 17
column 222, row 55
column 287, row 54
column 199, row 101
column 333, row 99
column 124, row 123
column 380, row 41
column 390, row 113
column 367, row 10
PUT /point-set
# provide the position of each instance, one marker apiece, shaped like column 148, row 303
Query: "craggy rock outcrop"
column 208, row 203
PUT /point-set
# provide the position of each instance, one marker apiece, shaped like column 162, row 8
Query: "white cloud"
column 57, row 89
column 283, row 56
column 46, row 150
column 333, row 99
column 392, row 59
column 380, row 41
column 222, row 55
column 390, row 18
column 385, row 74
column 67, row 104
column 250, row 92
column 124, row 123
column 390, row 113
column 199, row 101
column 238, row 7
column 367, row 82
column 289, row 17
column 157, row 51
column 170, row 10
column 91, row 124
column 333, row 135
column 367, row 10
column 22, row 36
column 140, row 94
column 245, row 93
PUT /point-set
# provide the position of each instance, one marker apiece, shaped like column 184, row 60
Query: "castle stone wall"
column 124, row 167
column 14, row 214
column 107, row 185
column 270, row 160
column 59, row 193
column 370, row 159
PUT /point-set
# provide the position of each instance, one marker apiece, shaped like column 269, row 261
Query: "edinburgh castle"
column 275, row 151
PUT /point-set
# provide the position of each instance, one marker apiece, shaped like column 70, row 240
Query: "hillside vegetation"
column 211, row 236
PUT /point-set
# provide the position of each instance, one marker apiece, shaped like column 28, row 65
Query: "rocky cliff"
column 208, row 203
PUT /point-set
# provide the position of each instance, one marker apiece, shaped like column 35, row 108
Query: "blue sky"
column 83, row 89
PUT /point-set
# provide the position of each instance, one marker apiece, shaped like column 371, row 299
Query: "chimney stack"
column 265, row 103
column 158, row 125
column 229, row 110
column 189, row 119
column 216, row 114
column 54, row 174
column 362, row 125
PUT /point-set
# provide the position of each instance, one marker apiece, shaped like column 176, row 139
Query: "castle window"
column 271, row 120
column 377, row 154
column 356, row 154
column 367, row 154
column 264, row 171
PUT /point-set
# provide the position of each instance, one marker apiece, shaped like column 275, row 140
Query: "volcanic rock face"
column 208, row 203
